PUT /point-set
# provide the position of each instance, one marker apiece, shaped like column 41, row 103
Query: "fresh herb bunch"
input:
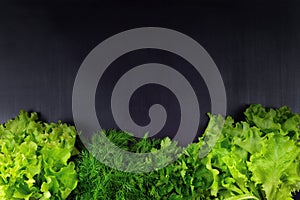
column 98, row 181
column 34, row 159
column 253, row 159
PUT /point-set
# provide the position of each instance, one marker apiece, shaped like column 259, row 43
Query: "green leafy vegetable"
column 258, row 158
column 34, row 159
column 253, row 159
column 98, row 181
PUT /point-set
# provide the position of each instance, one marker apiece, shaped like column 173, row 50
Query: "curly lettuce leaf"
column 276, row 167
column 34, row 159
column 269, row 120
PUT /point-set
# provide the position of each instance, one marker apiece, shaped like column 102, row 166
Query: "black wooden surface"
column 255, row 45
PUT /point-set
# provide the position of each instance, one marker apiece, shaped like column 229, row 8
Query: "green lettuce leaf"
column 276, row 167
column 34, row 159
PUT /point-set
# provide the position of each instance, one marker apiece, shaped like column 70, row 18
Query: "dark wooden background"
column 256, row 46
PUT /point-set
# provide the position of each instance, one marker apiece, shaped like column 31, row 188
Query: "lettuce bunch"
column 258, row 158
column 34, row 159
